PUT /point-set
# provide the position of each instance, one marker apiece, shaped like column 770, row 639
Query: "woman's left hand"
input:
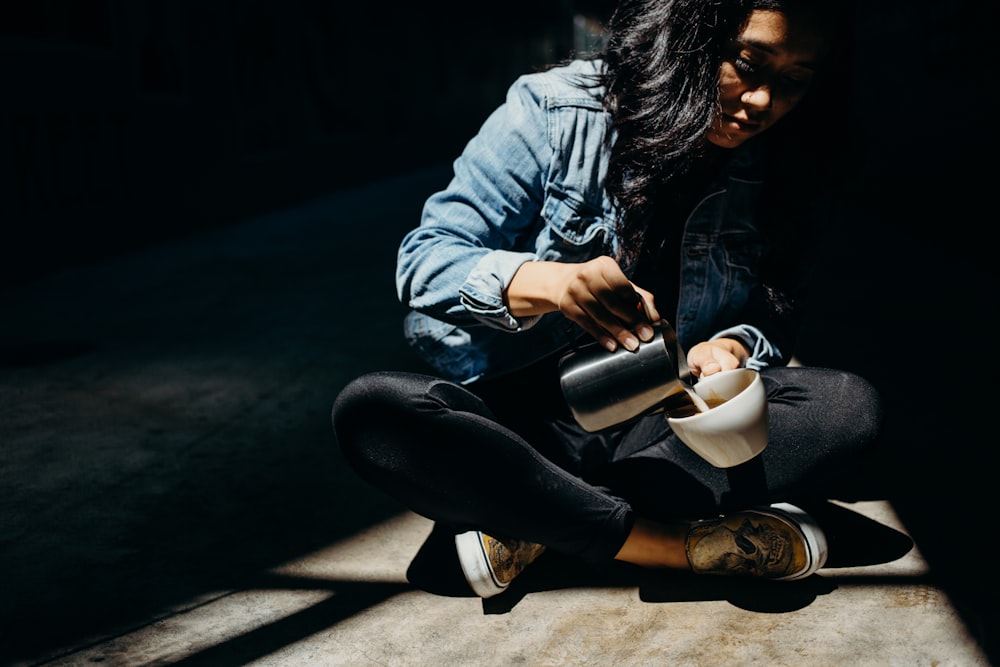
column 714, row 356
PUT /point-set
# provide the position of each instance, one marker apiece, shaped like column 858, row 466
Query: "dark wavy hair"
column 661, row 77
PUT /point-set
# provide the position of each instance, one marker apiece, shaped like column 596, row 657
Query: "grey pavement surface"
column 172, row 494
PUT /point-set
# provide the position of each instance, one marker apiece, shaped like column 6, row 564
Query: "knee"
column 866, row 407
column 383, row 410
column 361, row 392
column 359, row 405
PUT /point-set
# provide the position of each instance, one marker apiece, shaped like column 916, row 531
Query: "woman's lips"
column 734, row 123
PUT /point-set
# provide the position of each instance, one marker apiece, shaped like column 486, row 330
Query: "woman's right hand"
column 594, row 294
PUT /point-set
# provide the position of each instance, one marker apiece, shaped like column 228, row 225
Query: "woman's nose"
column 757, row 98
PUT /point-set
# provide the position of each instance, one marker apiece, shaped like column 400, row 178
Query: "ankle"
column 656, row 545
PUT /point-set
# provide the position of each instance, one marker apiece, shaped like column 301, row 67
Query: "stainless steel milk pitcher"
column 605, row 388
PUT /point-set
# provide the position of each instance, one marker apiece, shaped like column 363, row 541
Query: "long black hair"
column 661, row 76
column 661, row 80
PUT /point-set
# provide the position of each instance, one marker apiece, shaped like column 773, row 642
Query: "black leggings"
column 506, row 457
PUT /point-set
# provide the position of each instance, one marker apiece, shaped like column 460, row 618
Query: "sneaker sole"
column 810, row 532
column 475, row 564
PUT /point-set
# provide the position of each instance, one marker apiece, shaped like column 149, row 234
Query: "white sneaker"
column 491, row 563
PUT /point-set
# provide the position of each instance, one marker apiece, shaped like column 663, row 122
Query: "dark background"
column 125, row 123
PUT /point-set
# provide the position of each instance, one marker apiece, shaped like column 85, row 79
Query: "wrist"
column 533, row 287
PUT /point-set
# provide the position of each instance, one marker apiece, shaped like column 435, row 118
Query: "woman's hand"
column 713, row 356
column 594, row 294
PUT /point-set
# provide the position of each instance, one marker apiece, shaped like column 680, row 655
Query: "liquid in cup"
column 722, row 418
column 735, row 428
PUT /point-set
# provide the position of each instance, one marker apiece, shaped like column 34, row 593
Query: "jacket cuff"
column 762, row 352
column 484, row 287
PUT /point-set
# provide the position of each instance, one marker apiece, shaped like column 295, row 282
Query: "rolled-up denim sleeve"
column 482, row 293
column 474, row 234
column 762, row 352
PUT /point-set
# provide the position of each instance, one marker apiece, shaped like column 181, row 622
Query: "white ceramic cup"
column 731, row 432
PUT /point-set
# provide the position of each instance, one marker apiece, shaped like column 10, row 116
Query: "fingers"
column 711, row 357
column 710, row 368
column 648, row 307
column 608, row 306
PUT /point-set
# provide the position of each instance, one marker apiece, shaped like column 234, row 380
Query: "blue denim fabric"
column 530, row 186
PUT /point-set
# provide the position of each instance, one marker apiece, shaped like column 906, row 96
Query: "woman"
column 607, row 193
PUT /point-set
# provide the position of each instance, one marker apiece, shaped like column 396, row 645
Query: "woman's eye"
column 745, row 66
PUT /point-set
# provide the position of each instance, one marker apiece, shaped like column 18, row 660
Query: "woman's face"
column 767, row 72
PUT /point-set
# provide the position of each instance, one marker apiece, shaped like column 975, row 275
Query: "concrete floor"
column 171, row 492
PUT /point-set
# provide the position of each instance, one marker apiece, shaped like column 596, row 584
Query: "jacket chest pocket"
column 573, row 231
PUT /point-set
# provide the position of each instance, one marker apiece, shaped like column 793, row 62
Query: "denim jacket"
column 530, row 187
